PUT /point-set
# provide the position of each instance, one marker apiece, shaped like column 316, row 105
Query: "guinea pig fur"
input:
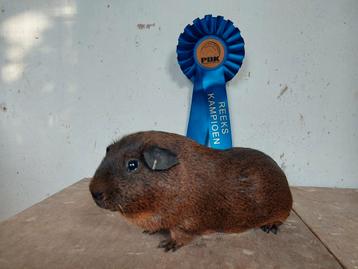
column 165, row 181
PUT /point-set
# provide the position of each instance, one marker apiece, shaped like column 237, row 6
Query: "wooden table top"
column 67, row 230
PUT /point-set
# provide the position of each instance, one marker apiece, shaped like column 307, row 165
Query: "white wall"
column 76, row 74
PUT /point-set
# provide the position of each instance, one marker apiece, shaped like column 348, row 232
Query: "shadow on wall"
column 36, row 92
column 34, row 36
column 25, row 33
column 54, row 59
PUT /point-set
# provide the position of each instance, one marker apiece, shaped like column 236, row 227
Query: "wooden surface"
column 332, row 214
column 68, row 230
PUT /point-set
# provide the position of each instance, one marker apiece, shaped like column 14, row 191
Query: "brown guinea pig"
column 165, row 181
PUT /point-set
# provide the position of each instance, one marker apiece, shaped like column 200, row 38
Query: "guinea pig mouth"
column 109, row 205
column 106, row 199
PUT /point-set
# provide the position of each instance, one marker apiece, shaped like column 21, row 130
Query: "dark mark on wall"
column 2, row 10
column 282, row 155
column 142, row 26
column 108, row 6
column 3, row 107
column 249, row 74
column 149, row 25
column 283, row 91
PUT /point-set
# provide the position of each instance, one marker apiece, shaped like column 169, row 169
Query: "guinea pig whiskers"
column 121, row 209
column 114, row 204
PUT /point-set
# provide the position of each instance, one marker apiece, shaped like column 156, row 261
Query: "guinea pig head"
column 128, row 178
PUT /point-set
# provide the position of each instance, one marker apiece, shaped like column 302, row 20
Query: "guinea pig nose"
column 97, row 195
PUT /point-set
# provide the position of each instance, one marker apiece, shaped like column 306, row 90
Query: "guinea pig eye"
column 132, row 165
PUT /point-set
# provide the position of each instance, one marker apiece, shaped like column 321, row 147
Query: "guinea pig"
column 164, row 181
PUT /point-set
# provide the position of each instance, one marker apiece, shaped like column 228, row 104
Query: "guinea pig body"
column 160, row 180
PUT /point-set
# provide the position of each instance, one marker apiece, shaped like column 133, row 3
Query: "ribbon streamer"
column 210, row 53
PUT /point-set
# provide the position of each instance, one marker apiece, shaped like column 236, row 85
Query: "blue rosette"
column 210, row 52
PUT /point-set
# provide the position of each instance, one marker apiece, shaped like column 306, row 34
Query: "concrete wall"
column 76, row 74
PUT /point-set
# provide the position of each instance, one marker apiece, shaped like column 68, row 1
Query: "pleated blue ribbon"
column 210, row 53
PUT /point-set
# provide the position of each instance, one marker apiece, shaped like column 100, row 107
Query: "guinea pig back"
column 161, row 180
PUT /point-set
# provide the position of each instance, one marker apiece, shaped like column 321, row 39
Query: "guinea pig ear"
column 159, row 159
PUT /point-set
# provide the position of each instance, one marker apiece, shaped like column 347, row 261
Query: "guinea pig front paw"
column 149, row 232
column 270, row 228
column 169, row 244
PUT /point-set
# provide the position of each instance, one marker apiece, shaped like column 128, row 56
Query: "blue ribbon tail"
column 198, row 119
column 197, row 126
column 219, row 118
column 209, row 120
column 217, row 109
